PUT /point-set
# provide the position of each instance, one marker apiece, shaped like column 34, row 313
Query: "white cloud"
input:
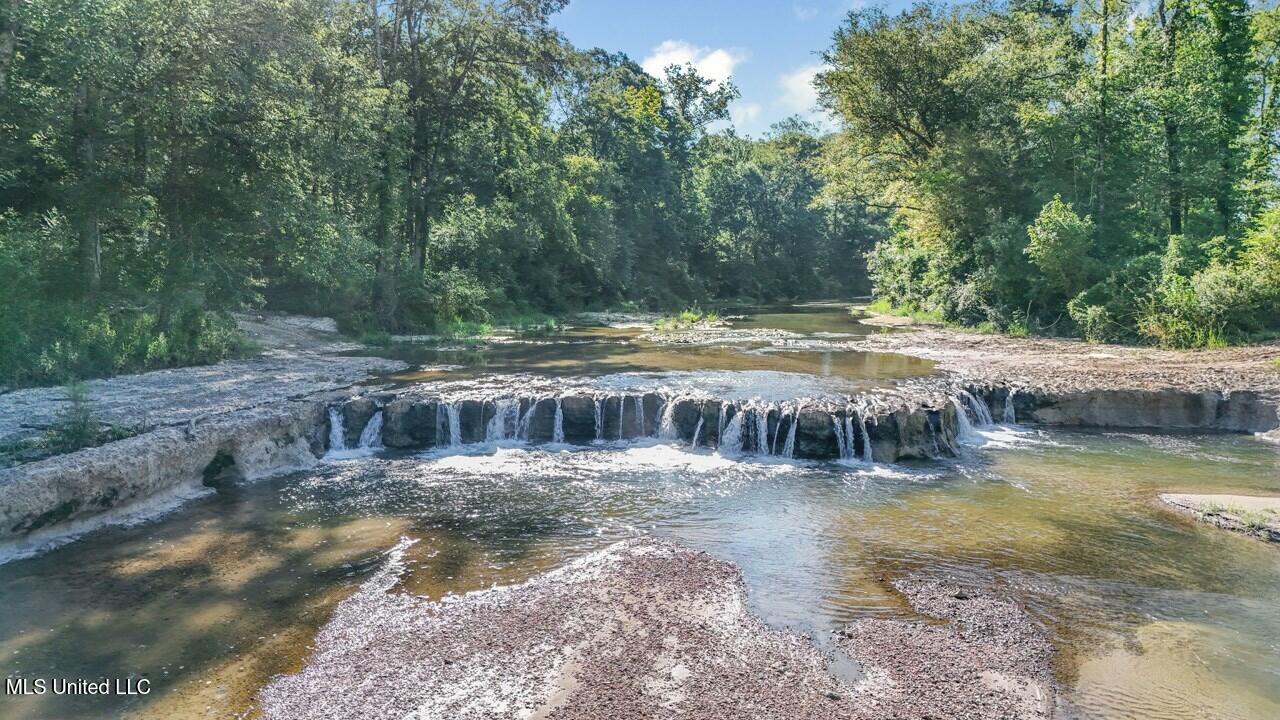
column 715, row 64
column 805, row 13
column 798, row 93
column 745, row 114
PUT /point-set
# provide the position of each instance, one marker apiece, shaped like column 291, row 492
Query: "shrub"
column 1059, row 247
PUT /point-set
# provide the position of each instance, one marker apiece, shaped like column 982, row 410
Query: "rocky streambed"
column 647, row 628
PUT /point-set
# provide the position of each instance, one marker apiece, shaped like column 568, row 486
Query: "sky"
column 770, row 49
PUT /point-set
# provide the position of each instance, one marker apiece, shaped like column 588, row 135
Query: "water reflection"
column 1157, row 616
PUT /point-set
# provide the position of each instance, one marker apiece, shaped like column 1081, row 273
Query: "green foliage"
column 1059, row 247
column 685, row 320
column 376, row 338
column 1136, row 146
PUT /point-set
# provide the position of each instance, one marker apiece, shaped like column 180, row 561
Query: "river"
column 1154, row 616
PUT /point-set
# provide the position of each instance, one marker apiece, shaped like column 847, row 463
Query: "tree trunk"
column 90, row 254
column 1100, row 181
column 1173, row 149
column 8, row 41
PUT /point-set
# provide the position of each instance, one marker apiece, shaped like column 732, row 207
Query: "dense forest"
column 1103, row 169
column 1100, row 168
column 401, row 165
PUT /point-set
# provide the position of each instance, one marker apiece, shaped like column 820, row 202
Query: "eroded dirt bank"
column 647, row 628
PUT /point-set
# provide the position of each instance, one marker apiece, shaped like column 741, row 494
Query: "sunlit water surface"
column 1155, row 615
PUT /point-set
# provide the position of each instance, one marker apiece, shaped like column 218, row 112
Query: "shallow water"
column 797, row 339
column 1157, row 616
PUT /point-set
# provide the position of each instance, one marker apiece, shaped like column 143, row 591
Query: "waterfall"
column 337, row 433
column 697, row 430
column 622, row 413
column 506, row 417
column 371, row 436
column 599, row 419
column 866, row 439
column 964, row 428
column 842, row 442
column 667, row 427
column 720, row 426
column 789, row 447
column 731, row 438
column 1010, row 415
column 640, row 413
column 981, row 413
column 557, row 434
column 762, row 431
column 453, row 411
column 522, row 429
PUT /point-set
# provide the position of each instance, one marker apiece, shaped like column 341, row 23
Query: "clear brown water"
column 1155, row 616
column 793, row 339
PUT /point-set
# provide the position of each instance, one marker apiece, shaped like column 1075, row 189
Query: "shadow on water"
column 1156, row 616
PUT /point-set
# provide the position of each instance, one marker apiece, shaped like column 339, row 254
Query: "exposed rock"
column 643, row 629
column 247, row 445
column 409, row 423
column 816, row 436
column 989, row 660
column 1247, row 514
column 355, row 415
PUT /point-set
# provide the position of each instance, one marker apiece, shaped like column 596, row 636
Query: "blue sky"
column 771, row 49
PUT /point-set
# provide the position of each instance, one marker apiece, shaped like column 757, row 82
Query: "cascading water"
column 454, row 413
column 640, row 413
column 667, row 426
column 731, row 438
column 697, row 431
column 789, row 447
column 964, row 428
column 557, row 433
column 599, row 419
column 720, row 426
column 762, row 431
column 842, row 443
column 522, row 429
column 506, row 417
column 866, row 439
column 371, row 436
column 981, row 413
column 337, row 432
column 1010, row 415
column 622, row 413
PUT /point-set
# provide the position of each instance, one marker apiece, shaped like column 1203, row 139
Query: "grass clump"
column 376, row 338
column 76, row 427
column 883, row 306
column 684, row 320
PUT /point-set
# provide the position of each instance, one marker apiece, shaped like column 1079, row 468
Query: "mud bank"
column 645, row 628
column 1249, row 515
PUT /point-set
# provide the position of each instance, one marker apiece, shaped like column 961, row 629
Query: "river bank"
column 850, row 491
